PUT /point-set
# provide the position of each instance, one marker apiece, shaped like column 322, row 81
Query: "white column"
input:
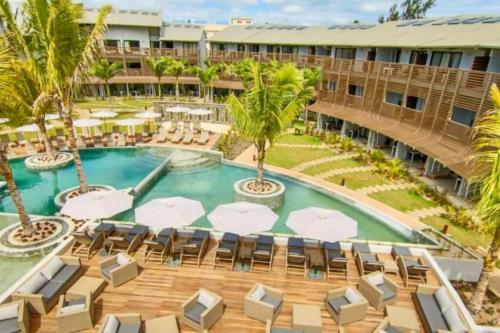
column 429, row 163
column 401, row 151
column 463, row 189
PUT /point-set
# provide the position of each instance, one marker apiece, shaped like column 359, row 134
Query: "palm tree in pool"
column 158, row 67
column 106, row 71
column 176, row 68
column 486, row 161
column 272, row 98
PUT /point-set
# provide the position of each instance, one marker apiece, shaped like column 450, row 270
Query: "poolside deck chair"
column 227, row 250
column 194, row 249
column 401, row 251
column 128, row 243
column 197, row 126
column 412, row 270
column 263, row 252
column 188, row 137
column 80, row 141
column 146, row 133
column 367, row 263
column 162, row 135
column 174, row 126
column 186, row 125
column 204, row 137
column 296, row 256
column 98, row 141
column 21, row 140
column 118, row 137
column 158, row 247
column 335, row 259
column 61, row 139
column 361, row 248
column 177, row 136
column 86, row 243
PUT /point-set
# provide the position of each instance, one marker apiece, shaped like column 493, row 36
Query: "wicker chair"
column 16, row 317
column 378, row 290
column 263, row 303
column 346, row 305
column 385, row 326
column 123, row 322
column 119, row 269
column 75, row 313
column 202, row 310
column 227, row 250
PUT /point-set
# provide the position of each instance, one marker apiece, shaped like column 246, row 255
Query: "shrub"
column 377, row 156
column 346, row 145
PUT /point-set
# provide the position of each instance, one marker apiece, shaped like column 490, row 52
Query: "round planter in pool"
column 273, row 194
column 42, row 162
column 60, row 199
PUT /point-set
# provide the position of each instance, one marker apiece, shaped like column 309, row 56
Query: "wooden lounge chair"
column 204, row 137
column 177, row 136
column 194, row 249
column 118, row 137
column 162, row 135
column 401, row 251
column 263, row 252
column 146, row 133
column 412, row 270
column 367, row 263
column 174, row 125
column 86, row 243
column 127, row 243
column 158, row 247
column 197, row 126
column 188, row 137
column 335, row 259
column 98, row 141
column 61, row 139
column 296, row 256
column 227, row 250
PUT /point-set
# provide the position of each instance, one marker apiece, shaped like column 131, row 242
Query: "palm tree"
column 312, row 77
column 486, row 156
column 176, row 68
column 202, row 75
column 268, row 105
column 106, row 71
column 158, row 67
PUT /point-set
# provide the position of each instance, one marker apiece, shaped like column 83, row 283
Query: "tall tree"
column 106, row 71
column 410, row 9
column 158, row 67
column 176, row 68
column 486, row 156
column 202, row 75
column 272, row 98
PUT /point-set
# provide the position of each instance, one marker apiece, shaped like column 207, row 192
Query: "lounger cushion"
column 66, row 273
column 111, row 325
column 139, row 229
column 401, row 251
column 285, row 330
column 129, row 328
column 295, row 242
column 275, row 302
column 361, row 248
column 409, row 263
column 453, row 320
column 200, row 234
column 51, row 290
column 9, row 311
column 332, row 246
column 35, row 283
column 108, row 227
column 230, row 237
column 442, row 298
column 369, row 258
column 9, row 326
column 205, row 299
column 258, row 293
column 336, row 303
column 265, row 240
column 106, row 271
column 351, row 296
column 167, row 232
column 52, row 267
column 194, row 312
column 388, row 293
column 432, row 313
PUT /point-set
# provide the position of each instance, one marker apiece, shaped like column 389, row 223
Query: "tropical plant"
column 105, row 70
column 207, row 76
column 362, row 154
column 486, row 163
column 176, row 68
column 346, row 144
column 312, row 76
column 410, row 9
column 272, row 98
column 377, row 156
column 158, row 67
column 393, row 169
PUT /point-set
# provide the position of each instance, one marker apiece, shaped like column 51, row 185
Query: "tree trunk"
column 476, row 301
column 68, row 125
column 159, row 88
column 261, row 154
column 6, row 172
column 177, row 89
column 44, row 138
column 108, row 91
column 204, row 94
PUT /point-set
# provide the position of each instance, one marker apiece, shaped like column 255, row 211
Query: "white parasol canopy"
column 97, row 205
column 4, row 120
column 173, row 212
column 130, row 123
column 84, row 123
column 200, row 112
column 32, row 128
column 177, row 109
column 242, row 218
column 322, row 224
column 148, row 115
column 103, row 114
column 51, row 116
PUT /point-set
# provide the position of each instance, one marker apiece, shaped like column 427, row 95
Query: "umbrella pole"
column 104, row 252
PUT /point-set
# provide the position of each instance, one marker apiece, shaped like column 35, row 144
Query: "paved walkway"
column 385, row 187
column 426, row 212
column 308, row 164
column 334, row 172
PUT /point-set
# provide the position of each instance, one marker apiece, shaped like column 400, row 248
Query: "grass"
column 464, row 236
column 125, row 103
column 288, row 158
column 299, row 124
column 357, row 180
column 340, row 164
column 403, row 200
column 298, row 139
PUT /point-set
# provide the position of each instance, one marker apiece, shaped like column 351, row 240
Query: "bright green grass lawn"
column 116, row 103
column 357, row 180
column 340, row 164
column 466, row 237
column 298, row 139
column 403, row 200
column 288, row 158
column 298, row 123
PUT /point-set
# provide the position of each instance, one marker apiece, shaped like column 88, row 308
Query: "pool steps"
column 153, row 175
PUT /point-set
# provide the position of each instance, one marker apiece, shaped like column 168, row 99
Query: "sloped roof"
column 135, row 18
column 179, row 32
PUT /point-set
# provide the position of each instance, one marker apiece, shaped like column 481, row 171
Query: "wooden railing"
column 190, row 55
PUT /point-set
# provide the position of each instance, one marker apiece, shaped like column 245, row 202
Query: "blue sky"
column 308, row 12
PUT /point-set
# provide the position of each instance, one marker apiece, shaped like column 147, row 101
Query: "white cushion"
column 72, row 308
column 443, row 299
column 52, row 267
column 205, row 299
column 454, row 322
column 112, row 325
column 352, row 296
column 35, row 283
column 258, row 293
column 376, row 279
column 121, row 259
column 9, row 312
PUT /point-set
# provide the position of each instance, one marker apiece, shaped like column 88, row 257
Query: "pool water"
column 125, row 167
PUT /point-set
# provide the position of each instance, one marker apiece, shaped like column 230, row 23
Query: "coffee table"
column 307, row 318
column 162, row 324
column 86, row 284
column 391, row 267
column 402, row 318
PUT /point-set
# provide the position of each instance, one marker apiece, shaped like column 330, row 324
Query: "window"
column 167, row 45
column 415, row 103
column 154, row 44
column 132, row 43
column 220, row 47
column 270, row 49
column 418, row 57
column 393, row 98
column 345, row 53
column 330, row 85
column 355, row 90
column 446, row 59
column 241, row 48
column 463, row 116
column 111, row 43
column 395, row 55
column 134, row 65
column 254, row 48
column 287, row 49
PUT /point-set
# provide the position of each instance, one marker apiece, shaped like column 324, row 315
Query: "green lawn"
column 340, row 164
column 298, row 139
column 466, row 237
column 115, row 103
column 403, row 200
column 288, row 158
column 357, row 180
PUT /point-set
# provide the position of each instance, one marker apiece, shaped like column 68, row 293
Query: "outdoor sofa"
column 14, row 317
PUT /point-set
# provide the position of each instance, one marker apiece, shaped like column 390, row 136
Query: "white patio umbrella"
column 242, row 218
column 4, row 120
column 177, row 109
column 130, row 123
column 97, row 205
column 173, row 212
column 148, row 115
column 103, row 115
column 200, row 112
column 32, row 128
column 86, row 124
column 322, row 224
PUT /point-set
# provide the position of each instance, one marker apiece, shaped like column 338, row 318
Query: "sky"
column 306, row 12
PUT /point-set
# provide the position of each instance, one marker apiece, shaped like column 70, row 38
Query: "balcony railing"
column 190, row 55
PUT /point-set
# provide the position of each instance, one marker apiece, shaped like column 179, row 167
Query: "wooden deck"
column 160, row 290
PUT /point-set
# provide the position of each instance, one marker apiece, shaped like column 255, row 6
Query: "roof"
column 182, row 32
column 136, row 18
column 467, row 31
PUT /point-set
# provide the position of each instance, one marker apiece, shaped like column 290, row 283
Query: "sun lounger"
column 188, row 137
column 86, row 243
column 158, row 247
column 118, row 137
column 194, row 249
column 263, row 252
column 177, row 136
column 61, row 139
column 296, row 255
column 204, row 136
column 197, row 127
column 127, row 243
column 335, row 259
column 412, row 270
column 146, row 133
column 162, row 135
column 367, row 263
column 227, row 249
column 186, row 125
column 401, row 251
column 174, row 125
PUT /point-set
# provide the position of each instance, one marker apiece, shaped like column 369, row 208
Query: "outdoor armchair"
column 119, row 269
column 263, row 303
column 346, row 305
column 75, row 313
column 378, row 289
column 385, row 326
column 123, row 322
column 14, row 317
column 270, row 328
column 202, row 310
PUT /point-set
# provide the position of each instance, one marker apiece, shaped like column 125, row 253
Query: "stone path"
column 308, row 164
column 426, row 212
column 385, row 187
column 340, row 171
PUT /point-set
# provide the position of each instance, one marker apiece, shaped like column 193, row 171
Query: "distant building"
column 241, row 21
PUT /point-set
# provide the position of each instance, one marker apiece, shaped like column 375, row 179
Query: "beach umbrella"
column 322, row 224
column 148, row 115
column 87, row 123
column 130, row 123
column 4, row 120
column 51, row 116
column 173, row 212
column 242, row 218
column 200, row 112
column 97, row 205
column 177, row 109
column 103, row 115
